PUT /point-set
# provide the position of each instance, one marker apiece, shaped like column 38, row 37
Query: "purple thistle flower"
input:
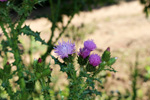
column 3, row 0
column 65, row 49
column 89, row 44
column 84, row 52
column 95, row 60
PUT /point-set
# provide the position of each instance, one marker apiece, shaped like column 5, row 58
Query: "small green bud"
column 39, row 67
column 7, row 68
column 108, row 49
column 106, row 55
column 112, row 61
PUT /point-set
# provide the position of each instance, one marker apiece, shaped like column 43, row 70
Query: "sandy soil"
column 117, row 26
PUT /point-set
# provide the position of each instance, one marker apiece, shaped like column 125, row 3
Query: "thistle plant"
column 83, row 85
column 34, row 79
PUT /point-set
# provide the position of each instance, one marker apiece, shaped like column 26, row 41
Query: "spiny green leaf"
column 5, row 45
column 111, row 69
column 27, row 31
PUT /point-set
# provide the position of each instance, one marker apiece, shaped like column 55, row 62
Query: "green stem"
column 30, row 50
column 18, row 61
column 45, row 91
column 50, row 47
column 134, row 82
column 64, row 28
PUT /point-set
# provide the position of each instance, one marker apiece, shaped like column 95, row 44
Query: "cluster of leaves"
column 147, row 74
column 28, row 78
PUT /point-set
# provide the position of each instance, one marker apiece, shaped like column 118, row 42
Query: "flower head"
column 89, row 44
column 65, row 49
column 108, row 49
column 39, row 60
column 84, row 52
column 7, row 63
column 94, row 60
column 3, row 0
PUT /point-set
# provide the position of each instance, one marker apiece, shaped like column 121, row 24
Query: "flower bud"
column 7, row 68
column 39, row 60
column 94, row 60
column 108, row 49
column 7, row 63
column 39, row 67
column 106, row 55
column 84, row 53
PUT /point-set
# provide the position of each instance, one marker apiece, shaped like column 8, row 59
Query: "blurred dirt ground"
column 117, row 26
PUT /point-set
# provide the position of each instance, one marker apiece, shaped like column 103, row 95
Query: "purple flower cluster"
column 65, row 49
column 84, row 52
column 89, row 46
column 3, row 0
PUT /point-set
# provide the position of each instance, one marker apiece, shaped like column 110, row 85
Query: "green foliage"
column 147, row 74
column 146, row 4
column 27, row 31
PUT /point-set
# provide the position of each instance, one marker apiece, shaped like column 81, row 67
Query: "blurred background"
column 122, row 25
